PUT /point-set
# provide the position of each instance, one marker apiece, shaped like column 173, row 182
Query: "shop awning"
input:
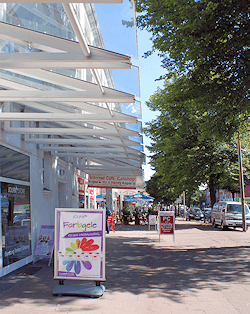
column 68, row 117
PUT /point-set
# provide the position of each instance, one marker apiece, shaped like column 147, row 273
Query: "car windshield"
column 236, row 208
column 196, row 210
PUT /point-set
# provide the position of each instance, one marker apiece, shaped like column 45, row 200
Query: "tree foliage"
column 205, row 44
column 181, row 155
column 161, row 193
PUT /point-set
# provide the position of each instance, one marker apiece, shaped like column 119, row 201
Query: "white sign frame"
column 152, row 221
column 80, row 244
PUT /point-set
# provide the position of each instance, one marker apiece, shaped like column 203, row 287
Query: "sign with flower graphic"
column 79, row 244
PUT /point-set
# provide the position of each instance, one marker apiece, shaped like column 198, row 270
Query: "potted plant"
column 125, row 216
column 137, row 216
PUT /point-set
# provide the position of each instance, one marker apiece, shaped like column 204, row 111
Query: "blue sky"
column 121, row 39
column 150, row 70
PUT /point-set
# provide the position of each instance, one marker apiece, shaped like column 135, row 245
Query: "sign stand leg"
column 81, row 290
column 51, row 256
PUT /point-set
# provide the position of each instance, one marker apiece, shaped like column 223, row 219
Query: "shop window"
column 14, row 165
column 16, row 222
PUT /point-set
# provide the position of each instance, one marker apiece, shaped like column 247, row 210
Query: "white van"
column 229, row 214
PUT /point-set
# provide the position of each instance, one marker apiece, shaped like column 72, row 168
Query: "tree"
column 199, row 198
column 160, row 192
column 182, row 156
column 205, row 44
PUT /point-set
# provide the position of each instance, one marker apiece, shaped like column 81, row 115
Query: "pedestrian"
column 108, row 212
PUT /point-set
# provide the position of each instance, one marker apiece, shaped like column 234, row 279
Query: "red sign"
column 111, row 223
column 166, row 225
column 109, row 181
column 88, row 189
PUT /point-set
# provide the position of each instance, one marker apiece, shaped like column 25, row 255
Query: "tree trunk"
column 212, row 190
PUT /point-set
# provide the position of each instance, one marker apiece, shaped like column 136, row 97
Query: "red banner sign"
column 166, row 224
column 109, row 181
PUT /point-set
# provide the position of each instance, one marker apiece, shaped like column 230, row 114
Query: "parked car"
column 207, row 214
column 229, row 214
column 194, row 213
column 20, row 217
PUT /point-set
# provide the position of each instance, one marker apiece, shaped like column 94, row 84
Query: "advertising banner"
column 17, row 244
column 45, row 243
column 116, row 182
column 166, row 223
column 80, row 244
column 111, row 222
column 152, row 221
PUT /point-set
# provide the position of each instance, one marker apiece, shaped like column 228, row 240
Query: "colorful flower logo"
column 75, row 251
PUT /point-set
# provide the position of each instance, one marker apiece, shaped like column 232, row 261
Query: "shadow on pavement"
column 140, row 268
column 136, row 264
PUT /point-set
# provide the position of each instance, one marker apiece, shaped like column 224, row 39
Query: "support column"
column 109, row 199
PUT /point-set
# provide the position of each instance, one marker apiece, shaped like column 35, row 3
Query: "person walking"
column 108, row 212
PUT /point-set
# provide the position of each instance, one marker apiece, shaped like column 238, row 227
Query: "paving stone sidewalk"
column 205, row 271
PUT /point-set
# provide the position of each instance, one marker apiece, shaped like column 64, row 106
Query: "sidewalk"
column 206, row 271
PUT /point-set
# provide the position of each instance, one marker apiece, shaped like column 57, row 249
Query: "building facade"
column 60, row 119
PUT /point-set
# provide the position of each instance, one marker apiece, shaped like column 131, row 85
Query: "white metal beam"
column 111, row 141
column 99, row 59
column 78, row 149
column 70, row 131
column 89, row 156
column 45, row 42
column 70, row 96
column 57, row 117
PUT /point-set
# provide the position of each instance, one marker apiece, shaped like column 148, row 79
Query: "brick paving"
column 205, row 271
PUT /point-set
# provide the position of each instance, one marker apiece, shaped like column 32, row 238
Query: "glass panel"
column 236, row 208
column 137, row 127
column 132, row 109
column 14, row 165
column 47, row 18
column 118, row 27
column 137, row 139
column 15, row 211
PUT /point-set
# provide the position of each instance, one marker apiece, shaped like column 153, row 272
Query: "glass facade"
column 14, row 165
column 15, row 206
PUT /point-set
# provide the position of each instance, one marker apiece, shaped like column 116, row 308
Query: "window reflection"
column 14, row 165
column 16, row 223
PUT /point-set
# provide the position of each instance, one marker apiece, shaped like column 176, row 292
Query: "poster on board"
column 45, row 243
column 167, row 223
column 152, row 221
column 79, row 244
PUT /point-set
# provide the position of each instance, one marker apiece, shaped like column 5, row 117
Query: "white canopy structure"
column 59, row 94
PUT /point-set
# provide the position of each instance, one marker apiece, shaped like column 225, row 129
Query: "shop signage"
column 116, row 182
column 17, row 244
column 80, row 244
column 45, row 243
column 152, row 221
column 111, row 222
column 89, row 191
column 167, row 223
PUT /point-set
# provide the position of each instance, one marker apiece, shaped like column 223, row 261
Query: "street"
column 206, row 271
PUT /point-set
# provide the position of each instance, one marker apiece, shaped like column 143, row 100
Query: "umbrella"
column 138, row 197
column 99, row 198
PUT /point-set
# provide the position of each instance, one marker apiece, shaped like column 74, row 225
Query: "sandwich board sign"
column 152, row 221
column 167, row 223
column 45, row 243
column 79, row 244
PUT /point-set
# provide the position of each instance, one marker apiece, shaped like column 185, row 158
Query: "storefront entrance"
column 15, row 218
